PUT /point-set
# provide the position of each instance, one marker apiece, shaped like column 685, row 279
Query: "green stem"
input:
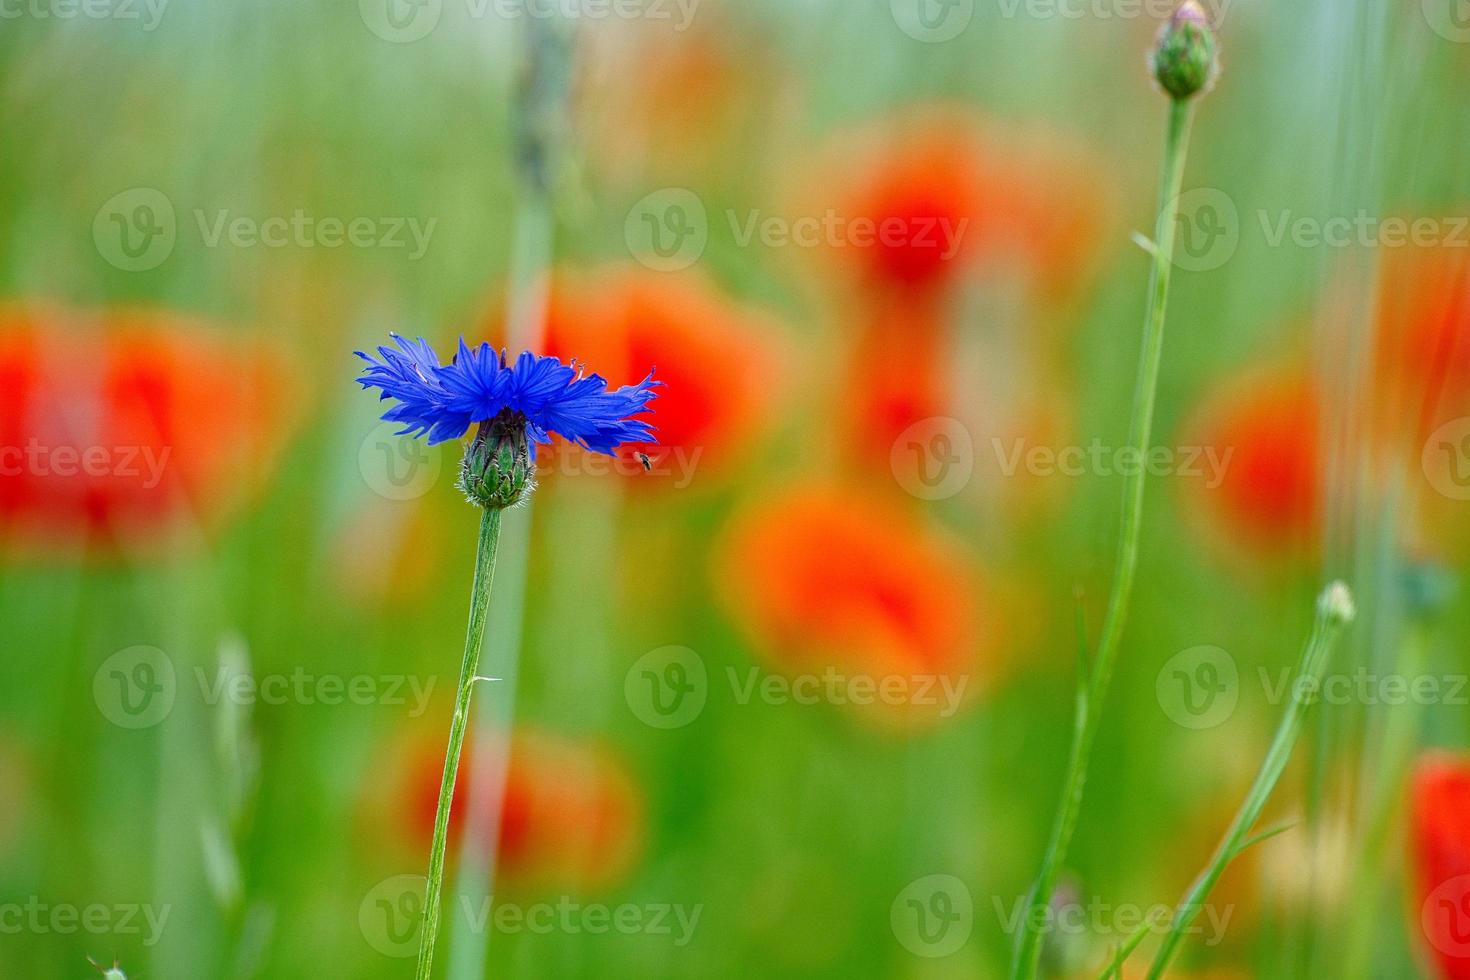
column 1332, row 617
column 1091, row 695
column 474, row 640
column 1390, row 758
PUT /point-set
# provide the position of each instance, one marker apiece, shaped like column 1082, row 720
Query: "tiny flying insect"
column 113, row 972
column 644, row 459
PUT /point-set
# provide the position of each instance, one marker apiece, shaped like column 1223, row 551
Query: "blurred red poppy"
column 662, row 96
column 897, row 379
column 1258, row 473
column 902, row 411
column 572, row 816
column 1441, row 849
column 912, row 202
column 832, row 582
column 717, row 361
column 1423, row 369
column 120, row 423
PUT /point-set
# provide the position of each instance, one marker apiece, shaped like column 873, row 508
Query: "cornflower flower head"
column 517, row 407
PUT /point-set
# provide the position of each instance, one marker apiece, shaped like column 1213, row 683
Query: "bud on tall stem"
column 1184, row 64
column 1185, row 60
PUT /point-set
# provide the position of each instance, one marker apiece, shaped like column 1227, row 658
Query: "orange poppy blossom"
column 717, row 360
column 898, row 379
column 1423, row 338
column 850, row 593
column 903, row 412
column 572, row 816
column 1440, row 827
column 1261, row 429
column 653, row 98
column 117, row 424
column 1422, row 382
column 921, row 206
column 916, row 202
column 1419, row 391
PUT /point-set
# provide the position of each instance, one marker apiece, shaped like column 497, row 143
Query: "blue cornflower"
column 516, row 405
column 443, row 401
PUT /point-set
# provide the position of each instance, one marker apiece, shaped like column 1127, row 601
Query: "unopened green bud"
column 496, row 472
column 1185, row 59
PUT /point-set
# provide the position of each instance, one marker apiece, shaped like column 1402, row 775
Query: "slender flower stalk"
column 541, row 132
column 515, row 407
column 1335, row 611
column 1184, row 66
column 468, row 676
column 1387, row 759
